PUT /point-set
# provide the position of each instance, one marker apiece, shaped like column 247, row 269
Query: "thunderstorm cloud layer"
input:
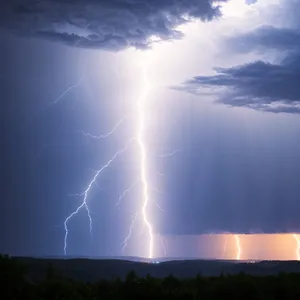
column 104, row 24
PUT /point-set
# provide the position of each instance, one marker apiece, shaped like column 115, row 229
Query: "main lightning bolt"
column 297, row 238
column 238, row 247
column 84, row 204
column 143, row 165
column 143, row 157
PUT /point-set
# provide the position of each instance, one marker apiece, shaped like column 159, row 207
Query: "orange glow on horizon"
column 234, row 246
column 297, row 238
column 238, row 247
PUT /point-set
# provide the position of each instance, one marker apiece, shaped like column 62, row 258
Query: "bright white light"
column 156, row 262
column 238, row 247
column 297, row 238
column 141, row 111
column 235, row 8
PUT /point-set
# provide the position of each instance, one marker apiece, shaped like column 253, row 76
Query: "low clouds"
column 283, row 39
column 259, row 85
column 104, row 24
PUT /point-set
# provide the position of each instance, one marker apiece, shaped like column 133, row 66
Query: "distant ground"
column 90, row 269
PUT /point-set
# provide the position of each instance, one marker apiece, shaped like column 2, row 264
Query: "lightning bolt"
column 162, row 243
column 155, row 190
column 225, row 247
column 238, row 247
column 143, row 156
column 159, row 207
column 125, row 192
column 125, row 242
column 69, row 89
column 106, row 135
column 84, row 204
column 169, row 154
column 297, row 238
column 141, row 109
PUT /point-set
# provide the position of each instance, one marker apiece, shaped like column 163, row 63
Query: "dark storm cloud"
column 258, row 85
column 104, row 24
column 283, row 39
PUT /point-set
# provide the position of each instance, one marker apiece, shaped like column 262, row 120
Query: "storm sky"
column 224, row 99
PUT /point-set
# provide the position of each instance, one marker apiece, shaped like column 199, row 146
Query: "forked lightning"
column 85, row 194
column 143, row 167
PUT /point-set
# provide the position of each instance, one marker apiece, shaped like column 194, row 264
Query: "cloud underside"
column 258, row 85
column 103, row 24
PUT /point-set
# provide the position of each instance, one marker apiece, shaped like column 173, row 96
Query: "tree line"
column 15, row 283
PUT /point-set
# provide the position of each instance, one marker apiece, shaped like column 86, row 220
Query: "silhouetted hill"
column 94, row 269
